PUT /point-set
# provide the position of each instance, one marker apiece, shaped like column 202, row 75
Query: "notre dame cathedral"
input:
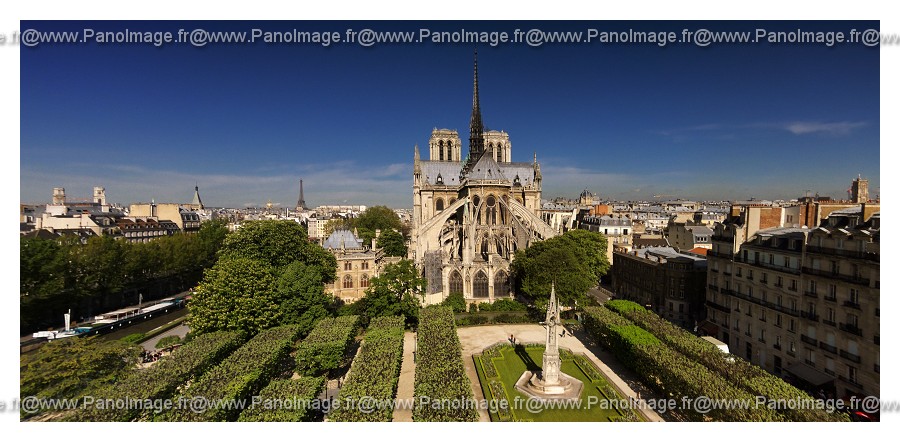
column 471, row 214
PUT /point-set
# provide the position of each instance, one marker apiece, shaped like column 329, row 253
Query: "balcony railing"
column 777, row 346
column 811, row 294
column 828, row 348
column 831, row 298
column 845, row 253
column 850, row 328
column 852, row 304
column 809, row 340
column 854, row 279
column 758, row 301
column 809, row 315
column 778, row 268
column 831, row 323
column 850, row 356
column 717, row 306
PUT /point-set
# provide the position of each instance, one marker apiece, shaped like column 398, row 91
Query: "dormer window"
column 439, row 180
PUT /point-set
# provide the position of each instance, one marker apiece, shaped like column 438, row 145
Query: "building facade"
column 688, row 235
column 356, row 265
column 670, row 283
column 801, row 302
column 470, row 214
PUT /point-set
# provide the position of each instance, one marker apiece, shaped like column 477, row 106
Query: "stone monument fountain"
column 550, row 382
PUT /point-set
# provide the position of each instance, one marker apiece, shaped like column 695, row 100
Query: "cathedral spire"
column 476, row 126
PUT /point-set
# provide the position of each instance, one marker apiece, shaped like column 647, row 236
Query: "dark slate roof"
column 338, row 237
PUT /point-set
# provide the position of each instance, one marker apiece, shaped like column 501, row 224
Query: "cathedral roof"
column 449, row 172
column 486, row 168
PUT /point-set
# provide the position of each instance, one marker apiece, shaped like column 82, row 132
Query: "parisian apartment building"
column 801, row 301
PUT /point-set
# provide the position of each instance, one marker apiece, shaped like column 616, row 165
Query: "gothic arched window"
column 501, row 284
column 456, row 284
column 348, row 282
column 364, row 281
column 480, row 285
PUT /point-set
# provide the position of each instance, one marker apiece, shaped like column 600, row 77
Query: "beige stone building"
column 800, row 302
column 356, row 265
column 689, row 235
column 471, row 214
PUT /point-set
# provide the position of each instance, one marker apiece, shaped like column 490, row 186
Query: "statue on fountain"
column 550, row 382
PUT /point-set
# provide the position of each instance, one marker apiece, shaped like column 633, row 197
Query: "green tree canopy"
column 278, row 243
column 395, row 292
column 302, row 296
column 378, row 217
column 575, row 261
column 236, row 294
column 392, row 243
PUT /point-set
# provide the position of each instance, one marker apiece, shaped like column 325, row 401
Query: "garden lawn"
column 511, row 365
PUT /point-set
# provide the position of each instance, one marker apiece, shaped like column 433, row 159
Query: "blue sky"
column 628, row 121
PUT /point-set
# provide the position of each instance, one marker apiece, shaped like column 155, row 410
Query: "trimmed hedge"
column 442, row 388
column 223, row 389
column 161, row 380
column 670, row 372
column 374, row 374
column 739, row 371
column 326, row 345
column 285, row 400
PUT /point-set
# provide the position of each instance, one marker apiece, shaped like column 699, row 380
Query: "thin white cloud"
column 836, row 128
column 794, row 127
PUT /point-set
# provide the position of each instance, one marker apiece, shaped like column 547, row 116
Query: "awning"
column 709, row 328
column 811, row 375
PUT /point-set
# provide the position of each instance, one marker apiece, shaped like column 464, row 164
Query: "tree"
column 395, row 292
column 575, row 261
column 236, row 294
column 278, row 243
column 211, row 236
column 302, row 296
column 376, row 218
column 392, row 243
column 456, row 301
column 66, row 368
column 590, row 247
column 336, row 224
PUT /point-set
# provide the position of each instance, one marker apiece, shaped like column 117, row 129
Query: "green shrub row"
column 325, row 347
column 284, row 400
column 739, row 371
column 220, row 393
column 372, row 382
column 442, row 389
column 161, row 380
column 670, row 372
